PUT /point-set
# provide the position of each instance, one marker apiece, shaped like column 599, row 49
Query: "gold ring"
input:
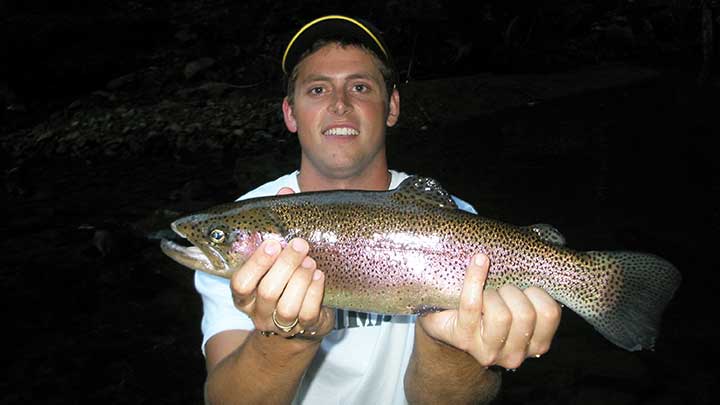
column 284, row 328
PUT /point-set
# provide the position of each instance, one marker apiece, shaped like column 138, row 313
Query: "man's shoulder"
column 272, row 187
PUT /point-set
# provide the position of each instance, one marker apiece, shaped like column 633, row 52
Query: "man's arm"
column 439, row 373
column 453, row 349
column 260, row 369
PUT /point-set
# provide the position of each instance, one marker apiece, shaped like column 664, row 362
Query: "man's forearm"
column 439, row 373
column 262, row 370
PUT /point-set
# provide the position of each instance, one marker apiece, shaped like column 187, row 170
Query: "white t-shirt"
column 362, row 361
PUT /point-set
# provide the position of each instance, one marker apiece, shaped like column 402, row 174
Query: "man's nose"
column 340, row 103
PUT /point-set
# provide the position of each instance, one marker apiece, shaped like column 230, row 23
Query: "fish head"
column 223, row 238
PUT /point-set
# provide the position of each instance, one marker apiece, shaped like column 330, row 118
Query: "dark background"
column 119, row 116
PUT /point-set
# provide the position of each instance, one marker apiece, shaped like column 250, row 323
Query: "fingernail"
column 480, row 260
column 298, row 245
column 317, row 275
column 308, row 263
column 272, row 247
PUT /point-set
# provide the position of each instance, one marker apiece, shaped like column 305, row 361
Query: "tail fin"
column 631, row 302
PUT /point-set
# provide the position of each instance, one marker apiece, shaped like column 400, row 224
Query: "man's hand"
column 497, row 327
column 283, row 283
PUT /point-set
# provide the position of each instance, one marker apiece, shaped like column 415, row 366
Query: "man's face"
column 340, row 112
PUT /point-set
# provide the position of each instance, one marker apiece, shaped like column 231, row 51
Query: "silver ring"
column 284, row 328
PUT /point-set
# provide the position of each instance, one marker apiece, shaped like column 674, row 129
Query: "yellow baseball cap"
column 336, row 27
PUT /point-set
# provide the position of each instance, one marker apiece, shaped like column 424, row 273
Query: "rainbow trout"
column 405, row 251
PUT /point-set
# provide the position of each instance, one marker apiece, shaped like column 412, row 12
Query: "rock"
column 45, row 135
column 262, row 136
column 103, row 241
column 211, row 89
column 19, row 108
column 104, row 95
column 77, row 104
column 192, row 190
column 197, row 66
column 120, row 82
column 185, row 36
column 16, row 182
column 174, row 127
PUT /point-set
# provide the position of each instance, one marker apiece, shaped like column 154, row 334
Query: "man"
column 268, row 339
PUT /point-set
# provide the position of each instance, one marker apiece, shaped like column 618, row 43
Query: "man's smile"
column 341, row 131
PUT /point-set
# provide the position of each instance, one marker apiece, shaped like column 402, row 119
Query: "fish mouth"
column 204, row 259
column 175, row 229
column 189, row 256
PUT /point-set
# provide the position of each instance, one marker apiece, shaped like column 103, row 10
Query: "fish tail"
column 630, row 295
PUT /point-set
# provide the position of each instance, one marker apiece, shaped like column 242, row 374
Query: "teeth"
column 341, row 131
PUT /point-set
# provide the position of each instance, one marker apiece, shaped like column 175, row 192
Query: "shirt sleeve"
column 463, row 205
column 219, row 312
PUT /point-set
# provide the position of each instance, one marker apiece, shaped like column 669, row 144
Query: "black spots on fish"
column 633, row 289
column 250, row 221
column 195, row 228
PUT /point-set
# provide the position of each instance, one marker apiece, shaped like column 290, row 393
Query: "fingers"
column 275, row 281
column 245, row 281
column 504, row 326
column 471, row 297
column 291, row 300
column 548, row 313
column 529, row 320
column 495, row 327
column 282, row 291
column 311, row 312
column 521, row 328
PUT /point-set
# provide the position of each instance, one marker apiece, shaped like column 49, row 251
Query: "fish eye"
column 217, row 236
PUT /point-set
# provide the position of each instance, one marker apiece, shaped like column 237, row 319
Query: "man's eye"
column 316, row 90
column 361, row 88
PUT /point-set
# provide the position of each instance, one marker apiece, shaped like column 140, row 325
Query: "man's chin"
column 340, row 168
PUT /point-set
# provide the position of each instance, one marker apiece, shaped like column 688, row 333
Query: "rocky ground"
column 616, row 155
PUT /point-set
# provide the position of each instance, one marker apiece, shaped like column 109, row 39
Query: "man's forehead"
column 351, row 61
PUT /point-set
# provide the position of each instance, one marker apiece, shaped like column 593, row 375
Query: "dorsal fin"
column 548, row 233
column 423, row 190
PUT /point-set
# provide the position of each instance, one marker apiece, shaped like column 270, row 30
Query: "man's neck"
column 377, row 179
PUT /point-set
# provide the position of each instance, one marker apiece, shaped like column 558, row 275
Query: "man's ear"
column 394, row 110
column 289, row 116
